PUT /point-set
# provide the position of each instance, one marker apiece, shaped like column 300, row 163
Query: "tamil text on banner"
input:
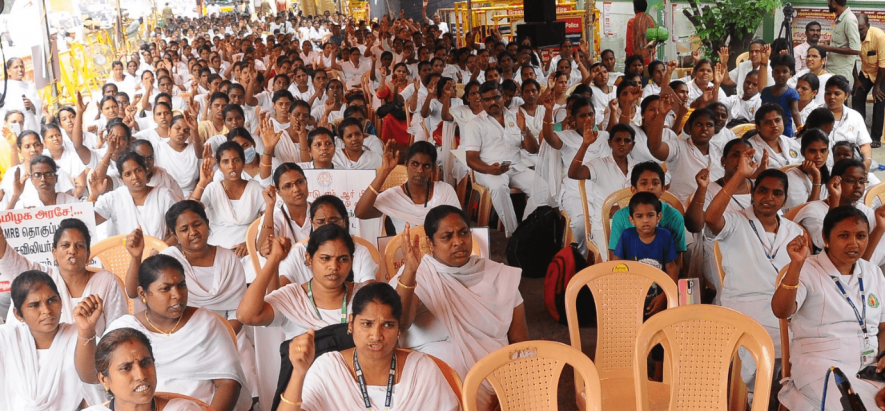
column 349, row 186
column 30, row 231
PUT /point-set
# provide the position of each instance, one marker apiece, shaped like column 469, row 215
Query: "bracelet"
column 372, row 189
column 816, row 184
column 107, row 163
column 86, row 340
column 549, row 122
column 789, row 287
column 402, row 285
column 265, row 164
column 578, row 161
column 267, row 227
column 267, row 154
column 294, row 404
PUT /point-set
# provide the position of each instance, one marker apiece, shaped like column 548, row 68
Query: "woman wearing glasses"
column 18, row 178
column 43, row 177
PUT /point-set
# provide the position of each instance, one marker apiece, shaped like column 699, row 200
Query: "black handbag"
column 327, row 339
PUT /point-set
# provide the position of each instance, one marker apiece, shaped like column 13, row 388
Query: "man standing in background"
column 845, row 45
column 812, row 36
column 870, row 76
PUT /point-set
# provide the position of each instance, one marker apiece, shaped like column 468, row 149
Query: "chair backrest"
column 568, row 236
column 396, row 177
column 785, row 331
column 230, row 328
column 742, row 57
column 621, row 198
column 700, row 341
column 525, row 376
column 114, row 257
column 451, row 376
column 619, row 289
column 787, row 167
column 172, row 396
column 585, row 204
column 373, row 251
column 877, row 190
column 791, row 215
column 252, row 243
column 394, row 259
column 717, row 254
column 740, row 130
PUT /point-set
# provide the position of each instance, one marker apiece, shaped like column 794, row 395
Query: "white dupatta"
column 329, row 385
column 24, row 384
column 474, row 302
column 396, row 204
column 188, row 360
column 228, row 286
column 225, row 221
column 292, row 303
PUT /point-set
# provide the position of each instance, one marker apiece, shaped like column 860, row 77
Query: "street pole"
column 49, row 66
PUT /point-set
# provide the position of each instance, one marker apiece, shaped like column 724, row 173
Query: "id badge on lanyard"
column 868, row 352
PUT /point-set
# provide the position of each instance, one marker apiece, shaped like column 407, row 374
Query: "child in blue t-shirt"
column 652, row 245
column 783, row 67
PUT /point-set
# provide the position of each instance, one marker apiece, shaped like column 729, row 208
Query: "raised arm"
column 576, row 169
column 547, row 133
column 86, row 315
column 694, row 215
column 267, row 225
column 783, row 303
column 407, row 281
column 83, row 152
column 714, row 216
column 301, row 354
column 134, row 244
column 365, row 208
column 876, row 235
column 253, row 310
column 206, row 174
column 655, row 130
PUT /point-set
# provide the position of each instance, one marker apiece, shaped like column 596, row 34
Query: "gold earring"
column 143, row 301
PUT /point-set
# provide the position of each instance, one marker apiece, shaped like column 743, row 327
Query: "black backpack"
column 536, row 241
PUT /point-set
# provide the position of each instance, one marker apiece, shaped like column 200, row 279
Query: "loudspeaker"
column 542, row 34
column 539, row 11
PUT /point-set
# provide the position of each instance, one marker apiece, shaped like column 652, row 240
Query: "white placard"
column 30, row 231
column 349, row 186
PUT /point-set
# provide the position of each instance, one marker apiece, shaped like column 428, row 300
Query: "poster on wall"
column 827, row 20
column 607, row 19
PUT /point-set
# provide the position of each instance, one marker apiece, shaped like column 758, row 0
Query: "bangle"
column 372, row 189
column 405, row 286
column 265, row 164
column 267, row 154
column 107, row 163
column 581, row 161
column 269, row 228
column 294, row 404
column 86, row 340
column 549, row 122
column 789, row 287
column 816, row 184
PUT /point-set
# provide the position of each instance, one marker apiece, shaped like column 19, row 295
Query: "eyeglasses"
column 49, row 175
column 852, row 182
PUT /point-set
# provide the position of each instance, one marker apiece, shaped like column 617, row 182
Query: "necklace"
column 168, row 334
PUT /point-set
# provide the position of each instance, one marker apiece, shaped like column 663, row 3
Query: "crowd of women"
column 213, row 124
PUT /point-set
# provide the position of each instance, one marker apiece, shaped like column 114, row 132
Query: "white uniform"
column 851, row 128
column 605, row 178
column 826, row 332
column 684, row 162
column 812, row 218
column 789, row 151
column 739, row 73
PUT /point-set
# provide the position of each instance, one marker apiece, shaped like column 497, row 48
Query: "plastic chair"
column 877, row 190
column 621, row 198
column 396, row 178
column 451, row 376
column 525, row 376
column 172, row 396
column 114, row 257
column 742, row 58
column 483, row 202
column 592, row 250
column 787, row 167
column 785, row 333
column 742, row 129
column 700, row 340
column 737, row 389
column 791, row 215
column 395, row 243
column 252, row 243
column 230, row 328
column 568, row 236
column 619, row 289
column 459, row 90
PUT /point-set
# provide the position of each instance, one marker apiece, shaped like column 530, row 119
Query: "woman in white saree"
column 134, row 205
column 206, row 368
column 16, row 178
column 354, row 155
column 410, row 201
column 466, row 306
column 39, row 352
column 70, row 250
column 22, row 95
column 124, row 365
column 361, row 377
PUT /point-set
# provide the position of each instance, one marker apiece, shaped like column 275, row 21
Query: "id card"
column 868, row 355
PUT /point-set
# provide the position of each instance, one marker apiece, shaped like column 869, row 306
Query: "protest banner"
column 827, row 20
column 30, row 231
column 349, row 186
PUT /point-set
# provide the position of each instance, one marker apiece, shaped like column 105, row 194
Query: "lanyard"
column 314, row 304
column 861, row 319
column 362, row 381
column 765, row 249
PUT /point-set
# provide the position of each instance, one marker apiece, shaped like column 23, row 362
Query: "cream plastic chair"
column 252, row 243
column 619, row 289
column 114, row 257
column 449, row 373
column 788, row 167
column 525, row 376
column 786, row 367
column 742, row 129
column 592, row 249
column 737, row 389
column 396, row 177
column 373, row 251
column 621, row 198
column 877, row 190
column 171, row 396
column 791, row 215
column 700, row 341
column 394, row 263
column 568, row 236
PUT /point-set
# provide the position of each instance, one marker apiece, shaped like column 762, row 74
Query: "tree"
column 731, row 23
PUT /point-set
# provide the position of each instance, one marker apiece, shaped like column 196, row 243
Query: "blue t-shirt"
column 671, row 219
column 784, row 100
column 661, row 251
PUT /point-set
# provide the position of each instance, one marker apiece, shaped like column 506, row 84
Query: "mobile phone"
column 16, row 128
column 505, row 164
column 869, row 373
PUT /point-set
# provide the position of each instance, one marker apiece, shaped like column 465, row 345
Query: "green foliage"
column 730, row 23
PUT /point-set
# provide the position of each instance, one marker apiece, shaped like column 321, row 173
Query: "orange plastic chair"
column 525, row 376
column 396, row 242
column 619, row 289
column 742, row 129
column 396, row 177
column 877, row 190
column 114, row 257
column 700, row 341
